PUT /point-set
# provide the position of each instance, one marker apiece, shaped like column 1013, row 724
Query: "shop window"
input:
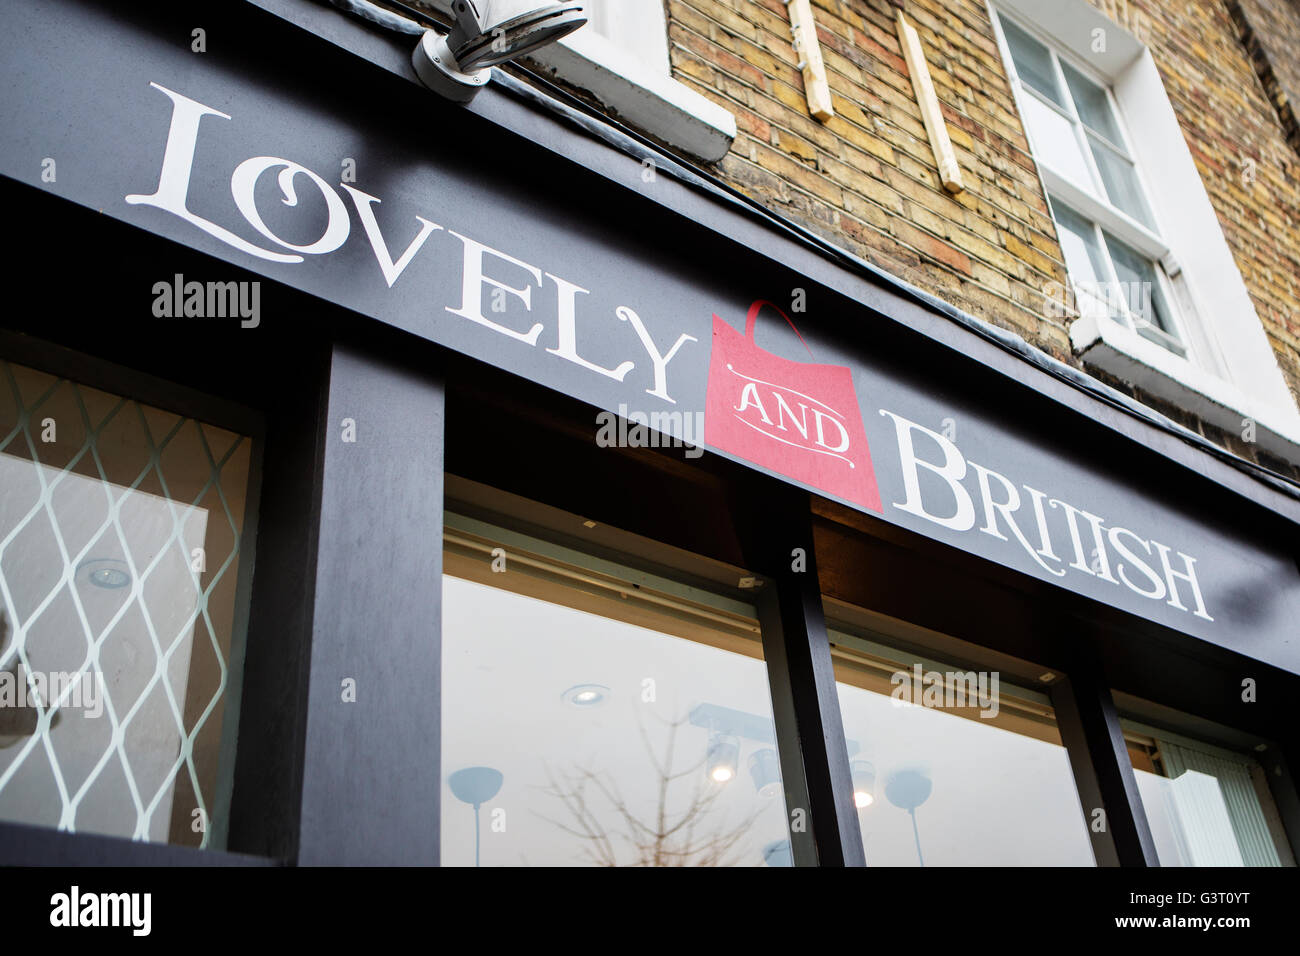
column 121, row 530
column 1206, row 806
column 596, row 715
column 954, row 767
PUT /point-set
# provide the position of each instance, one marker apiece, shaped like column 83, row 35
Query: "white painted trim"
column 1196, row 240
column 640, row 96
column 1072, row 25
column 1111, row 218
column 1113, row 348
column 637, row 26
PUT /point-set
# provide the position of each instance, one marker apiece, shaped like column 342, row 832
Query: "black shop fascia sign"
column 484, row 257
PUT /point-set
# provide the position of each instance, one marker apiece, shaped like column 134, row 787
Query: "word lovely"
column 1039, row 523
column 131, row 910
column 478, row 260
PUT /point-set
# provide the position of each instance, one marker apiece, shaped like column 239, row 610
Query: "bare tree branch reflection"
column 684, row 828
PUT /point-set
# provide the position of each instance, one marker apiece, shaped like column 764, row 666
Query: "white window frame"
column 1231, row 373
column 1105, row 216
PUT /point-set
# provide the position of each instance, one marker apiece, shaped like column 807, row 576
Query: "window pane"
column 1055, row 142
column 1120, row 179
column 1138, row 286
column 120, row 540
column 1203, row 806
column 1092, row 104
column 1083, row 258
column 943, row 779
column 602, row 729
column 1033, row 62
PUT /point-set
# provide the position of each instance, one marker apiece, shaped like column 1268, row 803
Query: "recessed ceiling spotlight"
column 585, row 695
column 105, row 573
column 722, row 758
column 765, row 771
column 864, row 783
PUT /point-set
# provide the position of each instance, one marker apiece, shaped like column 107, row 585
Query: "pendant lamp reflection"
column 778, row 853
column 908, row 788
column 475, row 786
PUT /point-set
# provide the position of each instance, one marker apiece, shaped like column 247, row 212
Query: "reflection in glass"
column 1203, row 805
column 1033, row 61
column 1141, row 290
column 953, row 787
column 1083, row 259
column 616, row 743
column 1119, row 176
column 1091, row 102
column 1056, row 143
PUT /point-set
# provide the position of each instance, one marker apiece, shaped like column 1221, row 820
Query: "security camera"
column 486, row 33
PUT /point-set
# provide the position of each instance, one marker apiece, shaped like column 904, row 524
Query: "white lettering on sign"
column 995, row 506
column 783, row 402
column 1091, row 541
column 482, row 266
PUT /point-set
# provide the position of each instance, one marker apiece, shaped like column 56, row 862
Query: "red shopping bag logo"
column 798, row 419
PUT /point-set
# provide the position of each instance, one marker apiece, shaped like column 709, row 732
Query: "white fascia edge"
column 1119, row 351
column 640, row 95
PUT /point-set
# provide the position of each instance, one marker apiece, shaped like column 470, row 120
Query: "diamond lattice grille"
column 120, row 534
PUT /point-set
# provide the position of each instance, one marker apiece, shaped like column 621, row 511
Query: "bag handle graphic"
column 751, row 319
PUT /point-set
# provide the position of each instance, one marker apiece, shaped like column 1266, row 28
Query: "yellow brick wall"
column 866, row 179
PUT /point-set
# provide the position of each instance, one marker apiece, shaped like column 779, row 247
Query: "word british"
column 1112, row 554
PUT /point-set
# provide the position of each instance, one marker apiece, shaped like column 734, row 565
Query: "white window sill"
column 640, row 95
column 1119, row 351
